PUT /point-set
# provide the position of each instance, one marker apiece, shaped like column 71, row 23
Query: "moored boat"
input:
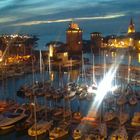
column 10, row 119
column 77, row 117
column 108, row 116
column 77, row 134
column 136, row 136
column 123, row 117
column 136, row 119
column 121, row 100
column 119, row 134
column 58, row 133
column 133, row 100
column 40, row 128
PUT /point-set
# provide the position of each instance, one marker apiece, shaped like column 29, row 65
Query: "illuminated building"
column 96, row 40
column 131, row 27
column 16, row 47
column 129, row 41
column 74, row 39
column 56, row 54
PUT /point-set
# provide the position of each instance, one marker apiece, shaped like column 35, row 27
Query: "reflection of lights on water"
column 65, row 72
column 104, row 86
column 113, row 54
column 139, row 57
column 52, row 76
column 51, row 51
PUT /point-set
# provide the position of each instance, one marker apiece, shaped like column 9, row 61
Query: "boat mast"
column 35, row 117
column 129, row 69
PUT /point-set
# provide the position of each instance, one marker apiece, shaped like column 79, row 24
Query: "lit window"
column 65, row 54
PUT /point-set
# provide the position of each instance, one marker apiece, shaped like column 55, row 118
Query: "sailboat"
column 123, row 117
column 121, row 100
column 10, row 119
column 29, row 121
column 77, row 134
column 58, row 133
column 110, row 115
column 103, row 131
column 40, row 128
column 136, row 136
column 7, row 105
column 136, row 119
column 133, row 100
column 92, row 90
column 61, row 131
column 97, row 133
column 77, row 117
column 69, row 95
column 119, row 134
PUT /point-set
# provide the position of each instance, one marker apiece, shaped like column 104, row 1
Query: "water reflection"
column 74, row 74
column 139, row 57
column 61, row 78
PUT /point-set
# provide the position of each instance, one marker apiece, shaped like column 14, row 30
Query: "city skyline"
column 51, row 18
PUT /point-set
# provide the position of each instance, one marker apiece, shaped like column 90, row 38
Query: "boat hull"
column 58, row 138
column 6, row 129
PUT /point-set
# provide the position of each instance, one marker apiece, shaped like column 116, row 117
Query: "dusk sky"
column 51, row 17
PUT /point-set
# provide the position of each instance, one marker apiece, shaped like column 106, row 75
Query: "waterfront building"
column 131, row 40
column 96, row 40
column 74, row 39
column 15, row 48
column 58, row 53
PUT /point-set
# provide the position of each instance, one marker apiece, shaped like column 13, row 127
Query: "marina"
column 64, row 104
column 80, row 89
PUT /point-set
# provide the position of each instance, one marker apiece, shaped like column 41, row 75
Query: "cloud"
column 7, row 19
column 30, row 23
column 23, row 14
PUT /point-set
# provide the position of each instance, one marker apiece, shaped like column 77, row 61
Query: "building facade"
column 96, row 40
column 74, row 39
column 130, row 40
column 16, row 47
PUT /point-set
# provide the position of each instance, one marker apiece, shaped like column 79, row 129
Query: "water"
column 13, row 84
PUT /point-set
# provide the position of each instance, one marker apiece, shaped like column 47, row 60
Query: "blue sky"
column 51, row 17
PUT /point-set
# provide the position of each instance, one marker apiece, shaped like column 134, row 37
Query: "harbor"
column 83, row 87
column 49, row 96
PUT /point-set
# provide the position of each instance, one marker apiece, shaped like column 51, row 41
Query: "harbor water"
column 9, row 87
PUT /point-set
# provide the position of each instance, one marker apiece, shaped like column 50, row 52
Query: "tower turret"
column 74, row 38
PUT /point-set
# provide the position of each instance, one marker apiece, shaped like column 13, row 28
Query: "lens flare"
column 103, row 88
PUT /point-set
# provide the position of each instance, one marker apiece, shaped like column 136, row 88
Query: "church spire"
column 131, row 27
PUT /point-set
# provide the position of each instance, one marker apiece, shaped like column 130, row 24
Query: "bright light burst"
column 103, row 88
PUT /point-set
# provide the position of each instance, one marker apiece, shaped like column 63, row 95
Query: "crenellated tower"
column 74, row 38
